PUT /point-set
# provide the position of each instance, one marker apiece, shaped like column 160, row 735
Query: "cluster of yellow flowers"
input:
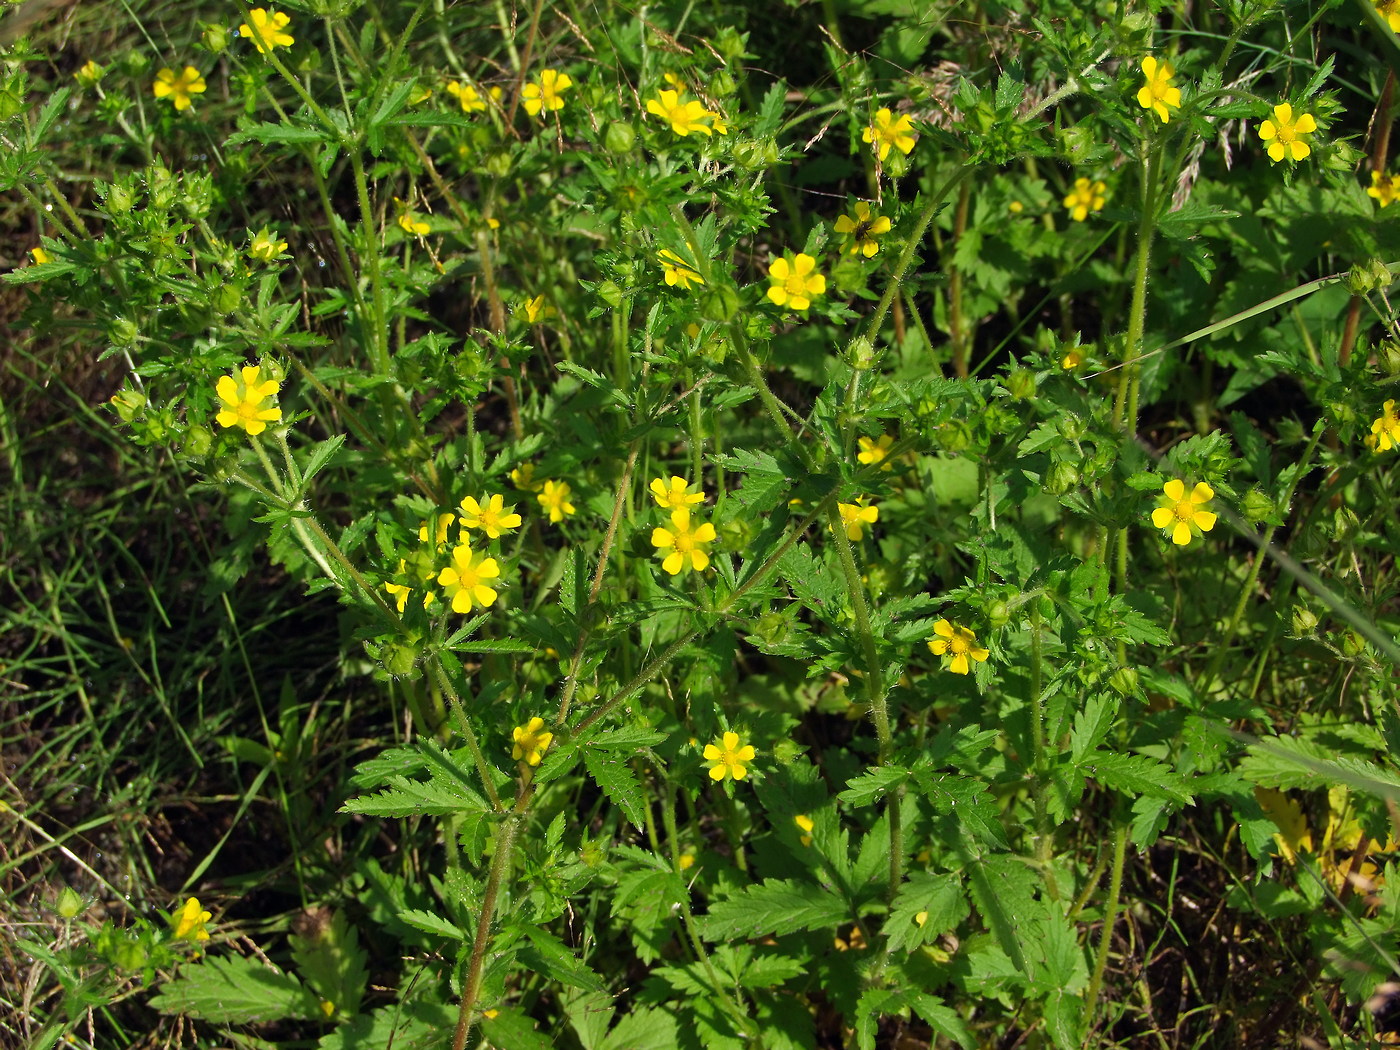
column 465, row 579
column 1385, row 431
column 855, row 516
column 683, row 546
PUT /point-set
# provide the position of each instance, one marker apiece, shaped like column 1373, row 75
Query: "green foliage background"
column 1158, row 813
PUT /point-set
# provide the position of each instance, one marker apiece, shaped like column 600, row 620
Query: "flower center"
column 1184, row 511
column 795, row 284
column 684, row 543
column 1286, row 132
column 247, row 410
column 957, row 645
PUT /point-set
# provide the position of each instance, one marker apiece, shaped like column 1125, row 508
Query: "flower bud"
column 861, row 354
column 119, row 200
column 1346, row 524
column 215, row 38
column 1061, row 478
column 896, row 164
column 128, row 404
column 122, row 331
column 955, row 436
column 1021, row 384
column 226, row 298
column 1303, row 621
column 69, row 904
column 1388, row 354
column 719, row 303
column 1353, row 644
column 1368, row 277
column 1257, row 506
column 1124, row 681
column 998, row 615
column 198, row 442
column 619, row 137
column 398, row 659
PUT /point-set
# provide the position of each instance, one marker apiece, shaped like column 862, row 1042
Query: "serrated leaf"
column 1135, row 775
column 513, row 1029
column 410, row 798
column 429, row 922
column 409, row 1025
column 542, row 952
column 873, row 784
column 939, row 898
column 616, row 779
column 267, row 133
column 236, row 991
column 329, row 958
column 774, row 906
column 321, row 455
column 643, row 1029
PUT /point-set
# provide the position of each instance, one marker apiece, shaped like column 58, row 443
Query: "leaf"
column 510, row 1028
column 331, row 961
column 320, row 456
column 616, row 779
column 409, row 1025
column 412, row 798
column 1136, row 775
column 273, row 133
column 236, row 990
column 428, row 922
column 774, row 906
column 643, row 1029
column 938, row 897
column 873, row 784
column 546, row 954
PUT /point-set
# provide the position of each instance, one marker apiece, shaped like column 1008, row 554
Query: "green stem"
column 1110, row 919
column 471, row 987
column 483, row 768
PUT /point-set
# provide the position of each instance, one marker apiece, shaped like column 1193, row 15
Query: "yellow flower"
column 265, row 246
column 465, row 579
column 89, row 74
column 467, row 97
column 684, row 117
column 1386, row 429
column 678, row 271
column 40, row 256
column 268, row 30
column 1074, row 357
column 554, row 497
column 728, row 758
column 444, row 522
column 958, row 644
column 863, row 228
column 888, row 130
column 794, row 283
column 242, row 395
column 1158, row 94
column 673, row 495
column 523, row 478
column 1178, row 513
column 545, row 94
column 533, row 308
column 1085, row 197
column 1015, row 207
column 856, row 515
column 687, row 545
column 685, row 861
column 408, row 222
column 189, row 921
column 805, row 825
column 401, row 591
column 876, row 451
column 531, row 742
column 1283, row 134
column 178, row 87
column 492, row 517
column 1390, row 11
column 1382, row 188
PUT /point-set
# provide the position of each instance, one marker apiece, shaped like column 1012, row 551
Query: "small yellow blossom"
column 1382, row 189
column 804, row 825
column 1178, row 513
column 1086, row 196
column 268, row 31
column 467, row 97
column 684, row 117
column 890, row 131
column 189, row 921
column 554, row 498
column 533, row 308
column 178, row 87
column 876, row 451
column 401, row 591
column 443, row 523
column 1386, row 430
column 531, row 742
column 685, row 861
column 465, row 579
column 545, row 94
column 408, row 222
column 1074, row 357
column 686, row 545
column 1390, row 11
column 40, row 256
column 854, row 516
column 958, row 644
column 265, row 247
column 863, row 227
column 728, row 757
column 672, row 495
column 1015, row 207
column 921, row 917
column 1158, row 94
column 523, row 478
column 794, row 283
column 243, row 394
column 1284, row 134
column 491, row 516
column 89, row 74
column 678, row 272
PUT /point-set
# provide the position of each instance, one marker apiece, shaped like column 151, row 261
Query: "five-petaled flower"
column 265, row 246
column 408, row 222
column 269, row 29
column 678, row 272
column 863, row 227
column 1390, row 11
column 467, row 97
column 876, row 450
column 1086, row 196
column 89, row 74
column 889, row 130
column 684, row 117
column 465, row 579
column 243, row 394
column 686, row 545
column 523, row 478
column 1158, row 94
column 531, row 742
column 1382, row 189
column 728, row 757
column 855, row 516
column 491, row 516
column 178, row 87
column 672, row 495
column 545, row 94
column 958, row 644
column 554, row 498
column 189, row 921
column 794, row 283
column 1179, row 513
column 533, row 308
column 1284, row 133
column 1386, row 429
